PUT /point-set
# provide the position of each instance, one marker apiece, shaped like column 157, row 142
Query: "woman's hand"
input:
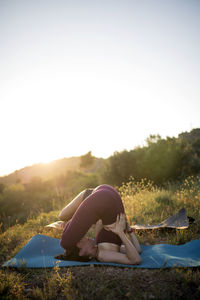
column 98, row 226
column 119, row 226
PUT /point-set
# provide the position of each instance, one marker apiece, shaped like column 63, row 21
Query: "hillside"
column 155, row 162
column 48, row 171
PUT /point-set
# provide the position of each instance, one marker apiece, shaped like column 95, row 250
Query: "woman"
column 103, row 206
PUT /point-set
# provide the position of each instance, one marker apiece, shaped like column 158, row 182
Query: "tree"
column 87, row 160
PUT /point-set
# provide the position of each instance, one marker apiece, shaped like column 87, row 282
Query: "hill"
column 160, row 160
column 47, row 171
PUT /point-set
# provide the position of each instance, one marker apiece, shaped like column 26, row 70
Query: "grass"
column 100, row 283
column 144, row 203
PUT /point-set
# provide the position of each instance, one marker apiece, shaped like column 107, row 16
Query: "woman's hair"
column 73, row 254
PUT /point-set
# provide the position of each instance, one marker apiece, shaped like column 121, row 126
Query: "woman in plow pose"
column 101, row 206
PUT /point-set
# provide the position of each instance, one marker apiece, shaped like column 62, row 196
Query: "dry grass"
column 144, row 203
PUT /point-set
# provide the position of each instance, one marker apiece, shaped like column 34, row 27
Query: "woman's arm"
column 135, row 242
column 132, row 237
column 131, row 256
column 68, row 211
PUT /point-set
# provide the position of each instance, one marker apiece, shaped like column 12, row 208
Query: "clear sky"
column 100, row 76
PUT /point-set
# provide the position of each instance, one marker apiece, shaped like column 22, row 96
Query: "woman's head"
column 84, row 251
column 86, row 247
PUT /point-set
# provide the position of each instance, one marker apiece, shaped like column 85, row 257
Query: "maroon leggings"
column 104, row 203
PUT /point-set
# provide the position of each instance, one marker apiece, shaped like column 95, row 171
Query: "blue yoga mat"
column 39, row 252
